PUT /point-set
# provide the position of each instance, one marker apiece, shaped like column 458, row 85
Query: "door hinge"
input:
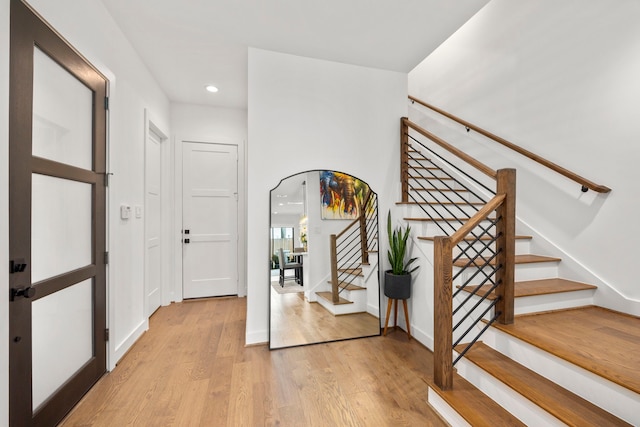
column 106, row 102
column 106, row 257
column 106, row 334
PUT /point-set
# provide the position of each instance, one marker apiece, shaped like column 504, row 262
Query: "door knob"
column 27, row 292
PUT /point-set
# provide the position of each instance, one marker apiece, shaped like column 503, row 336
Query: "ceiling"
column 187, row 44
column 288, row 197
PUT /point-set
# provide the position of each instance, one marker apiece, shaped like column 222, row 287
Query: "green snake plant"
column 398, row 248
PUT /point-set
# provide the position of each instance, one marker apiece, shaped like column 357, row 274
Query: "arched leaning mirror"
column 323, row 260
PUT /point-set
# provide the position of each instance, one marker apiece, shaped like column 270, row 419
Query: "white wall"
column 133, row 89
column 307, row 114
column 211, row 124
column 4, row 211
column 560, row 79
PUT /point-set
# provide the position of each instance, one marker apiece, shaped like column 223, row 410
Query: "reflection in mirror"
column 324, row 281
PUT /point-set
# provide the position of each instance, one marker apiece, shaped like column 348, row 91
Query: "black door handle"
column 186, row 240
column 27, row 292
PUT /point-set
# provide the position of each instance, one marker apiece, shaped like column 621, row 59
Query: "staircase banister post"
column 443, row 313
column 506, row 231
column 404, row 158
column 335, row 297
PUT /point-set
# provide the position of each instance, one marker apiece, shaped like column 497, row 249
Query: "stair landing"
column 602, row 341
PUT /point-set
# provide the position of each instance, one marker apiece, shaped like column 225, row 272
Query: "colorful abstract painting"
column 341, row 195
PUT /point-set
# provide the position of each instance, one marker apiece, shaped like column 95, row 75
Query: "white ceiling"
column 188, row 44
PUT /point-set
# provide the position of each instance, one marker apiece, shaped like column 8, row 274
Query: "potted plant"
column 397, row 281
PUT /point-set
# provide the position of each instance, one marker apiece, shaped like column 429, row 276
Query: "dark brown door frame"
column 27, row 31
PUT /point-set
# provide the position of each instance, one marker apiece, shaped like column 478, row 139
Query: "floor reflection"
column 294, row 321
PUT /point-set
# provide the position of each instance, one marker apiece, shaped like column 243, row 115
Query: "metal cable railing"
column 351, row 247
column 476, row 246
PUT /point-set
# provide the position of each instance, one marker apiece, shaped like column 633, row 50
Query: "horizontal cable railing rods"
column 585, row 183
column 463, row 352
column 450, row 148
column 443, row 194
column 475, row 322
column 470, row 312
column 451, row 165
column 477, row 289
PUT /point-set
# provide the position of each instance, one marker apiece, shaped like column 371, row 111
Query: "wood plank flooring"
column 192, row 369
column 295, row 321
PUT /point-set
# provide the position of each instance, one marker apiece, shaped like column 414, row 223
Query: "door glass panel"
column 62, row 334
column 60, row 226
column 62, row 114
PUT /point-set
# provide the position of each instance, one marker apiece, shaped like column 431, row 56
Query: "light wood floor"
column 192, row 369
column 295, row 321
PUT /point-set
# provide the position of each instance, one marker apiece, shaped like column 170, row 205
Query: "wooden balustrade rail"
column 585, row 183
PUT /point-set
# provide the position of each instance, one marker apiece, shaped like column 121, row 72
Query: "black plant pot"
column 397, row 286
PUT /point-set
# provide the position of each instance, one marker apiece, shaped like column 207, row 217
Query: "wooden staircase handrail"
column 476, row 219
column 450, row 148
column 585, row 183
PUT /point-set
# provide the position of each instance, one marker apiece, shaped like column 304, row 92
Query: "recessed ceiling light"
column 211, row 88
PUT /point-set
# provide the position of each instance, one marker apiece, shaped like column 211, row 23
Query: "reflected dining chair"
column 284, row 265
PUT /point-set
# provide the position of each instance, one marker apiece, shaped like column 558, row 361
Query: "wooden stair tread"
column 470, row 239
column 518, row 259
column 476, row 407
column 602, row 341
column 351, row 271
column 350, row 286
column 557, row 401
column 536, row 287
column 329, row 297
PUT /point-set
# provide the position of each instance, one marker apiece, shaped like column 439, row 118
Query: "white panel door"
column 210, row 220
column 153, row 223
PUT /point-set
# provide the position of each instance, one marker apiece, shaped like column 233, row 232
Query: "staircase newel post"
column 506, row 231
column 443, row 313
column 404, row 158
column 334, row 268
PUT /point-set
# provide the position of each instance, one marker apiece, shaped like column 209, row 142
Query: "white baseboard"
column 258, row 337
column 121, row 349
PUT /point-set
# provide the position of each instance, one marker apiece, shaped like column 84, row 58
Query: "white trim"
column 121, row 349
column 165, row 211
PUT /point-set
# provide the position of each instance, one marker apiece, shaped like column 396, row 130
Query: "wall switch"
column 125, row 211
column 138, row 211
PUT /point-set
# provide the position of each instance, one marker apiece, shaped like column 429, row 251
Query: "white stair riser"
column 359, row 305
column 523, row 272
column 445, row 410
column 523, row 246
column 519, row 406
column 534, row 303
column 611, row 397
column 431, row 228
column 424, row 196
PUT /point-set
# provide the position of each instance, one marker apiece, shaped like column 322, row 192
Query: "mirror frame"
column 378, row 273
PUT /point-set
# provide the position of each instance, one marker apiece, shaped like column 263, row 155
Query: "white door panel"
column 210, row 216
column 153, row 216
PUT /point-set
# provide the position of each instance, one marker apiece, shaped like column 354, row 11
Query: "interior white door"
column 210, row 219
column 153, row 229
